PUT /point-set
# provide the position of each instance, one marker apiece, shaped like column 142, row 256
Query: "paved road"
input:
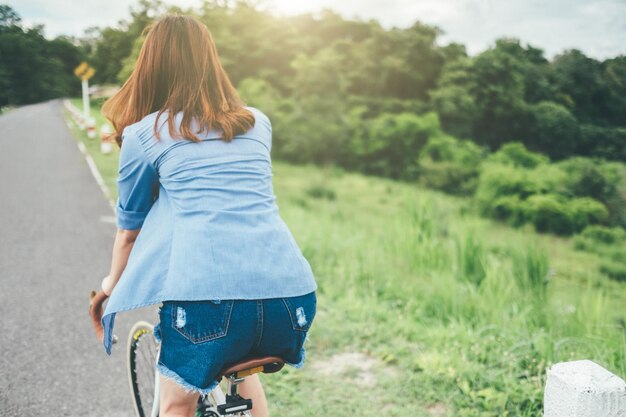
column 55, row 246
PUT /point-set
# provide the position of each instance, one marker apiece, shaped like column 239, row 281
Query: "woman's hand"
column 96, row 299
column 107, row 285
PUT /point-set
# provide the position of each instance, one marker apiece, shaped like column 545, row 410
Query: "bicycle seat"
column 249, row 366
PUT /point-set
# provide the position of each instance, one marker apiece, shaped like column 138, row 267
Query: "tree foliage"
column 32, row 68
column 392, row 102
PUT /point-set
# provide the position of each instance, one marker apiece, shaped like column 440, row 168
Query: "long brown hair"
column 178, row 69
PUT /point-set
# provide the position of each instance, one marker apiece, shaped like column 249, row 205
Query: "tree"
column 8, row 16
column 32, row 68
column 579, row 81
column 614, row 75
column 453, row 99
column 498, row 90
column 555, row 130
column 65, row 50
column 115, row 44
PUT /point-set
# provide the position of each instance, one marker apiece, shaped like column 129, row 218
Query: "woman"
column 195, row 177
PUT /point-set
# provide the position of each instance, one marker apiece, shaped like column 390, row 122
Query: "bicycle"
column 142, row 354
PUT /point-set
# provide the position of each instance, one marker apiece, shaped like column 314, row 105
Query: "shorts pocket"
column 301, row 310
column 201, row 321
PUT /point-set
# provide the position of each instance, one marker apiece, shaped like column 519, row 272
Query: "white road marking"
column 94, row 170
column 96, row 174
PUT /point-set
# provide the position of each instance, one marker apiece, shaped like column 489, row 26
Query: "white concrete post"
column 106, row 146
column 91, row 128
column 583, row 389
column 86, row 114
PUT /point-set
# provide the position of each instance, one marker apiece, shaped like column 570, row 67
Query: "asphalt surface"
column 56, row 234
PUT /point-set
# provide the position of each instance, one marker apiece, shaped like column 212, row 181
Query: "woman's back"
column 211, row 177
column 214, row 230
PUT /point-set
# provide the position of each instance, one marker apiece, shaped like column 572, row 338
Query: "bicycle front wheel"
column 142, row 353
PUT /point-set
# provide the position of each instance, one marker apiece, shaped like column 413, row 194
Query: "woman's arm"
column 136, row 183
column 124, row 241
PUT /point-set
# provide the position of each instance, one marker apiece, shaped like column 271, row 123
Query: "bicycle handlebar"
column 96, row 299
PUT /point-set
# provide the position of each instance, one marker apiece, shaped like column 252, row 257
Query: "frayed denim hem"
column 302, row 355
column 168, row 373
column 301, row 363
column 156, row 332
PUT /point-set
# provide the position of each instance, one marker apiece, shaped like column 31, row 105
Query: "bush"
column 450, row 165
column 586, row 211
column 516, row 154
column 510, row 209
column 554, row 213
column 450, row 177
column 520, row 187
column 617, row 254
column 603, row 181
column 614, row 270
column 583, row 244
column 549, row 214
column 391, row 144
column 587, row 177
column 499, row 180
column 602, row 234
column 607, row 242
column 321, row 191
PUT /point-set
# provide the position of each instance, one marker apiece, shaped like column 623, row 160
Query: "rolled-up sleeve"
column 137, row 183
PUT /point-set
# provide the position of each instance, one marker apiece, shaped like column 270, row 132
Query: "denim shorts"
column 198, row 338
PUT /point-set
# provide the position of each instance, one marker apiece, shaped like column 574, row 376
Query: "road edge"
column 93, row 168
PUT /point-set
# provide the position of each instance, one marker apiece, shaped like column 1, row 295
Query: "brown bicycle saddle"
column 249, row 366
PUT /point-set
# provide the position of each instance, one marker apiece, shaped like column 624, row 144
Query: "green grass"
column 425, row 309
column 6, row 109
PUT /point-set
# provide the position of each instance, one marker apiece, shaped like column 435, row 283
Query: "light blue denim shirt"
column 210, row 226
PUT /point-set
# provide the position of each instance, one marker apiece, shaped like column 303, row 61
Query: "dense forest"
column 532, row 140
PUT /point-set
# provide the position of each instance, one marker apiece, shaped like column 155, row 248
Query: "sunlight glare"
column 290, row 7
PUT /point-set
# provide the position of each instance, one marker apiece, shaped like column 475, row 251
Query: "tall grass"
column 467, row 312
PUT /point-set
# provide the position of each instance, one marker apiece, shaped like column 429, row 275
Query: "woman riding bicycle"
column 199, row 230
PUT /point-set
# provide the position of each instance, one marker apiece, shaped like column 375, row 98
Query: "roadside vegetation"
column 429, row 308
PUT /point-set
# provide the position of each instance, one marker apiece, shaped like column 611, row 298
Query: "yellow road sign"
column 79, row 70
column 90, row 72
column 84, row 71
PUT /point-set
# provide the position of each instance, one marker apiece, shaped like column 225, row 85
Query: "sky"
column 597, row 27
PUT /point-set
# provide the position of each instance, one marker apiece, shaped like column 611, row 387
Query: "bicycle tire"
column 142, row 351
column 142, row 354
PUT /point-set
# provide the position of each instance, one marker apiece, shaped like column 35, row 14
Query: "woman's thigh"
column 174, row 399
